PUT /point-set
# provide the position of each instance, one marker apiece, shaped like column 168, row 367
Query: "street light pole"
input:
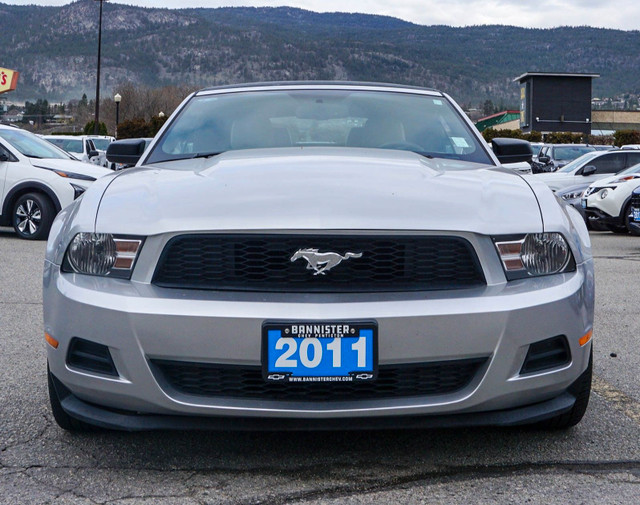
column 96, row 119
column 117, row 98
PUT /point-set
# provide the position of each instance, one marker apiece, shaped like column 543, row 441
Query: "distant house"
column 13, row 115
column 505, row 120
column 62, row 119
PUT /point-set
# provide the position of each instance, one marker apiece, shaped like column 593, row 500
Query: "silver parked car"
column 318, row 256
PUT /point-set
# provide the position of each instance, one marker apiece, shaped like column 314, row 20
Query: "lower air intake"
column 550, row 353
column 394, row 381
column 90, row 356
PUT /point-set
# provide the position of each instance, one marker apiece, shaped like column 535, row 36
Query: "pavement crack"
column 451, row 474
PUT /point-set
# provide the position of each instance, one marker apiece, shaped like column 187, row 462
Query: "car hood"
column 77, row 167
column 318, row 188
column 558, row 180
column 608, row 181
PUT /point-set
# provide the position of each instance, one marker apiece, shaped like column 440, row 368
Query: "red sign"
column 8, row 80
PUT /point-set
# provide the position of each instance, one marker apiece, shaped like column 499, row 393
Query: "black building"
column 555, row 102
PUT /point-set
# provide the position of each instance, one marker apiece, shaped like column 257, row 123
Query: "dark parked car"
column 634, row 213
column 555, row 156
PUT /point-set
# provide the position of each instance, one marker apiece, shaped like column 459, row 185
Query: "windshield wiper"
column 204, row 155
column 33, row 156
column 191, row 157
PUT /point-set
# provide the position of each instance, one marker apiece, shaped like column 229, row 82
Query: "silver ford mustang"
column 318, row 256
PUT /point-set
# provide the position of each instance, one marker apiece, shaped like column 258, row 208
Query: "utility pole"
column 96, row 118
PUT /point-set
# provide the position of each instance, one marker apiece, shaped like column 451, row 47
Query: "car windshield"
column 568, row 153
column 69, row 145
column 213, row 123
column 634, row 169
column 101, row 144
column 31, row 145
column 579, row 162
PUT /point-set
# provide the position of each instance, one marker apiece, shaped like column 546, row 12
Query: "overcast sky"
column 622, row 14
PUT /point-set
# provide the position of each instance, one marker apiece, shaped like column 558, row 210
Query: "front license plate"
column 319, row 352
column 583, row 202
column 636, row 214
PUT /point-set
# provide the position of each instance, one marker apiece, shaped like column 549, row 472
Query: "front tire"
column 64, row 420
column 581, row 388
column 32, row 216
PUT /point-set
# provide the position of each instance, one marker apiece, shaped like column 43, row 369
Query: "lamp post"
column 96, row 121
column 117, row 98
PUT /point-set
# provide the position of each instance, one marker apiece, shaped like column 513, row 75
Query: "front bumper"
column 131, row 421
column 599, row 217
column 140, row 322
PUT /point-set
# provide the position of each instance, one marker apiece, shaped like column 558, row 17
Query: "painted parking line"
column 620, row 401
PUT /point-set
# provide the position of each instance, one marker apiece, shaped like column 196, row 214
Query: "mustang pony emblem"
column 322, row 262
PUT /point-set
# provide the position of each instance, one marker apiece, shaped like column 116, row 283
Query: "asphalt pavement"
column 597, row 462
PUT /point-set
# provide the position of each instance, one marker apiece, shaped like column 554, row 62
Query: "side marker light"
column 584, row 340
column 51, row 341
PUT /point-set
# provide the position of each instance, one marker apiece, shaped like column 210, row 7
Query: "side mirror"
column 588, row 170
column 126, row 152
column 544, row 159
column 93, row 154
column 511, row 150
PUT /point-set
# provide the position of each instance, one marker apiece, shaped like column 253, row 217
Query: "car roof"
column 66, row 137
column 303, row 84
column 568, row 145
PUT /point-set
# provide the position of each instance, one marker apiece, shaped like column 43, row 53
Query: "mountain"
column 55, row 49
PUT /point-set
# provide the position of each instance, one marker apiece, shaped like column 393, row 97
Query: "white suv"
column 607, row 202
column 589, row 168
column 81, row 147
column 37, row 180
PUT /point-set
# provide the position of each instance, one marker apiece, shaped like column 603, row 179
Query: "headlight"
column 69, row 175
column 102, row 254
column 572, row 195
column 534, row 254
column 73, row 175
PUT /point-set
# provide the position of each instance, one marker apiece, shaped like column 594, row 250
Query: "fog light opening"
column 546, row 354
column 91, row 357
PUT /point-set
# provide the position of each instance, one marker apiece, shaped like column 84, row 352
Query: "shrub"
column 491, row 133
column 133, row 128
column 564, row 138
column 138, row 127
column 623, row 137
column 102, row 128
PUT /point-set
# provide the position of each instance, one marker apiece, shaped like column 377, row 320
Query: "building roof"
column 495, row 119
column 553, row 74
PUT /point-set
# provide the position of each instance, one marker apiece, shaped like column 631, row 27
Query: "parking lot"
column 596, row 462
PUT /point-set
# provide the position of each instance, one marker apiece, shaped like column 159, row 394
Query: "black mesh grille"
column 635, row 200
column 396, row 381
column 263, row 263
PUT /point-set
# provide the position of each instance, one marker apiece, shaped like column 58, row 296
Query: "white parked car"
column 101, row 142
column 607, row 202
column 81, row 147
column 590, row 167
column 316, row 256
column 37, row 179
